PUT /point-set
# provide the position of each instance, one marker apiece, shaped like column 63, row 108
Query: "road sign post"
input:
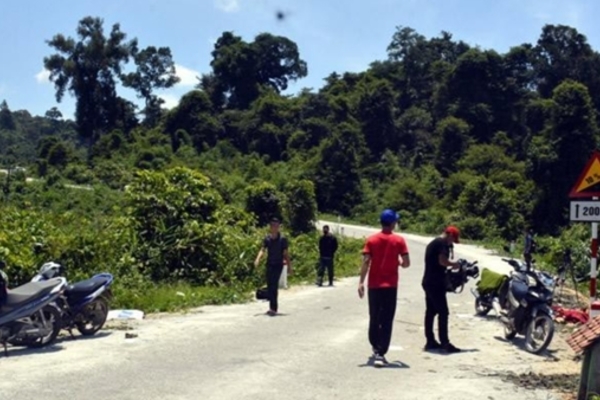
column 583, row 210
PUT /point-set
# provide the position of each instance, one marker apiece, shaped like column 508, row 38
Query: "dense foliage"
column 441, row 131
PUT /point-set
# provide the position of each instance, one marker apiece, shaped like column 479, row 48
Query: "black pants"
column 382, row 308
column 436, row 304
column 528, row 258
column 325, row 262
column 273, row 275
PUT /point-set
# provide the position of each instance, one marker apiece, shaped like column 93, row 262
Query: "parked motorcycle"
column 85, row 304
column 527, row 310
column 490, row 292
column 28, row 316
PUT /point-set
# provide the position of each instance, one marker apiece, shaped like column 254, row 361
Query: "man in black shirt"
column 327, row 247
column 434, row 284
column 276, row 246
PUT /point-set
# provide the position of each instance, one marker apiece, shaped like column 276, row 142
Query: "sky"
column 332, row 35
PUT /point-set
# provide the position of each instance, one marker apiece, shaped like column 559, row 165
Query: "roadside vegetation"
column 443, row 131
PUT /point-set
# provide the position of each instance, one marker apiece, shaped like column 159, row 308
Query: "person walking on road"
column 434, row 284
column 276, row 246
column 381, row 259
column 328, row 245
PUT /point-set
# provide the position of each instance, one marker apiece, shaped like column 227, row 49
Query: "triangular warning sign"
column 589, row 178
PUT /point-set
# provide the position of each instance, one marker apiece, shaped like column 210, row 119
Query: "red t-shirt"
column 385, row 250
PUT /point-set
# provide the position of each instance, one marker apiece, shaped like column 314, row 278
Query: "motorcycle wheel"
column 481, row 309
column 94, row 316
column 542, row 322
column 52, row 316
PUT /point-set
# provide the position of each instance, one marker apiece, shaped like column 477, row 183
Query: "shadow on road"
column 520, row 343
column 26, row 351
column 392, row 364
column 271, row 316
column 69, row 338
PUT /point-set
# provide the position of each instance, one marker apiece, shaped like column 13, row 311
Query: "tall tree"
column 6, row 119
column 91, row 66
column 241, row 68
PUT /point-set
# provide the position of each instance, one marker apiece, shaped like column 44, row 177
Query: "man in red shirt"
column 381, row 259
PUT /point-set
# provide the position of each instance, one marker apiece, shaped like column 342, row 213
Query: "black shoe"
column 432, row 346
column 450, row 348
column 380, row 361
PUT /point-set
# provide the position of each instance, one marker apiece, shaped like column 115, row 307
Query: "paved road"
column 317, row 350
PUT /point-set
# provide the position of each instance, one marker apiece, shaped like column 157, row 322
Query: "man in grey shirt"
column 276, row 246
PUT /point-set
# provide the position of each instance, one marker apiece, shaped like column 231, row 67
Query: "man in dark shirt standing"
column 327, row 247
column 434, row 283
column 276, row 246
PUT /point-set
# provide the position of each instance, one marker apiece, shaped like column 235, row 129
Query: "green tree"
column 301, row 206
column 264, row 201
column 240, row 69
column 454, row 141
column 337, row 175
column 6, row 119
column 90, row 67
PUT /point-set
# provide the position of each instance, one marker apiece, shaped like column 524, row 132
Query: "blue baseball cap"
column 389, row 216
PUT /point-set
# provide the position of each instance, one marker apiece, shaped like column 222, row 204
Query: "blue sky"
column 332, row 35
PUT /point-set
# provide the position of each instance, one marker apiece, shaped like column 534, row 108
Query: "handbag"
column 262, row 294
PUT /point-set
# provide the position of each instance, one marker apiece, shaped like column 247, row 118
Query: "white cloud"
column 228, row 6
column 43, row 76
column 171, row 101
column 187, row 76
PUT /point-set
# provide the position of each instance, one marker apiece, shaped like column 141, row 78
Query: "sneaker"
column 272, row 313
column 380, row 361
column 450, row 348
column 432, row 346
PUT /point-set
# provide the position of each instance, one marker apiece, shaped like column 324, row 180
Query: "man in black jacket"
column 327, row 247
column 437, row 260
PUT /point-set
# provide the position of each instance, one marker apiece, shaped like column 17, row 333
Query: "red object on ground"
column 571, row 315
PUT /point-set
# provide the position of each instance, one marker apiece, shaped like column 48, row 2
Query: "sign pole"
column 594, row 259
column 594, row 270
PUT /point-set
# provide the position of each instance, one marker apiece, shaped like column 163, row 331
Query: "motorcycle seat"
column 86, row 287
column 30, row 291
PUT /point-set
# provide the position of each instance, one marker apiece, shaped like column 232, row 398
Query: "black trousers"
column 436, row 305
column 325, row 263
column 273, row 275
column 382, row 309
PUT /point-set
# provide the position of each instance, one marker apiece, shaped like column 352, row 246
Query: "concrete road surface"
column 318, row 349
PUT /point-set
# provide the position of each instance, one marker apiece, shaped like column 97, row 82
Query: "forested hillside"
column 441, row 130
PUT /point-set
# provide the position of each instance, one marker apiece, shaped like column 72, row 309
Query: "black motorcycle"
column 457, row 278
column 527, row 309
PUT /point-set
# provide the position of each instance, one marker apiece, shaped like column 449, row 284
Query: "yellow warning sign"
column 589, row 178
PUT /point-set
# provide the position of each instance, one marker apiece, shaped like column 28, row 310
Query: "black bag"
column 262, row 294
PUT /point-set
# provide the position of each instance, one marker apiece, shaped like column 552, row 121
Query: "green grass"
column 154, row 298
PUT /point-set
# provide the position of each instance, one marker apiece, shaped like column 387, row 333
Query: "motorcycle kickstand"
column 5, row 349
column 70, row 330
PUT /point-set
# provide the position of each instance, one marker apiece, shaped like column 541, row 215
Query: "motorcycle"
column 527, row 309
column 456, row 279
column 28, row 316
column 85, row 304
